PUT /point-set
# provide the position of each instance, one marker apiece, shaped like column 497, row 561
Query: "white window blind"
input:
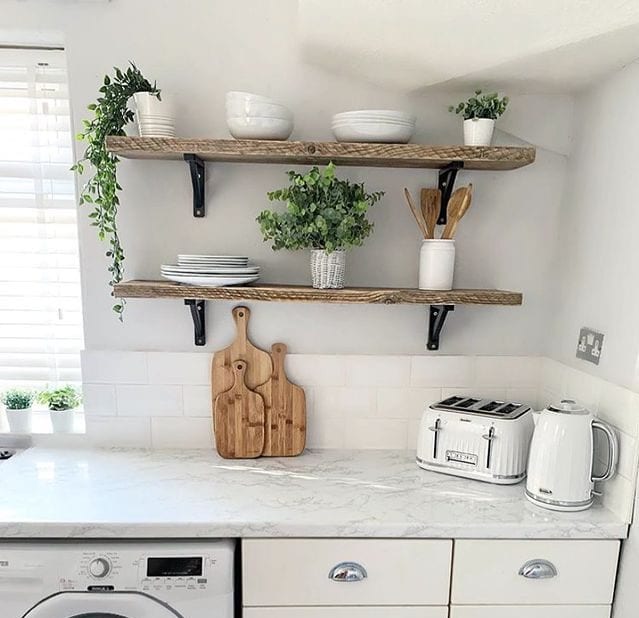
column 40, row 301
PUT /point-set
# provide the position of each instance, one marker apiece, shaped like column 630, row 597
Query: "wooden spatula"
column 259, row 365
column 431, row 200
column 458, row 205
column 421, row 223
column 239, row 419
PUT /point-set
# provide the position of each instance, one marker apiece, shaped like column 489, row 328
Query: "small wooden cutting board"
column 285, row 410
column 259, row 365
column 239, row 419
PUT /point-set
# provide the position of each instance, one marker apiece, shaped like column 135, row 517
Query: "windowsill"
column 41, row 424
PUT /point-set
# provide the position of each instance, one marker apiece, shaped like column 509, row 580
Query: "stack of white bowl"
column 155, row 117
column 252, row 116
column 373, row 125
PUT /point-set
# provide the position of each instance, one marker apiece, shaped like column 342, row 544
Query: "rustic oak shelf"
column 340, row 153
column 441, row 302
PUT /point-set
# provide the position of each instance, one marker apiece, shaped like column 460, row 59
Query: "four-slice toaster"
column 476, row 438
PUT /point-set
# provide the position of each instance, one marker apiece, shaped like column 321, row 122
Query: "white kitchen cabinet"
column 570, row 572
column 295, row 572
column 354, row 612
column 523, row 611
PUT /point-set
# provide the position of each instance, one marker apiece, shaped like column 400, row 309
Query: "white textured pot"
column 478, row 131
column 437, row 264
column 62, row 421
column 19, row 420
column 327, row 269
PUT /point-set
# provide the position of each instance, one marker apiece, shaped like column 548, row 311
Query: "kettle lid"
column 568, row 406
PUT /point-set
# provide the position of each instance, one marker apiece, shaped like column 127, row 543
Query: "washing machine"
column 86, row 579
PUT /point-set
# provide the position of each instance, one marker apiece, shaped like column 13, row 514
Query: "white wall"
column 213, row 46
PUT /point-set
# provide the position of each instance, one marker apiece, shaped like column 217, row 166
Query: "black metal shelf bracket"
column 198, row 313
column 197, row 168
column 446, row 183
column 436, row 319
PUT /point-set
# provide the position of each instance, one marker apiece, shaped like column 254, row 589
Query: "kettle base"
column 558, row 505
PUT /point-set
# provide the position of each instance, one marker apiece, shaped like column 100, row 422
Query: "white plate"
column 212, row 270
column 195, row 256
column 211, row 282
column 372, row 132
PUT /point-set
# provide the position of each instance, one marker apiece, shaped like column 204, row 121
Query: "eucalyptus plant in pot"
column 480, row 113
column 62, row 403
column 324, row 214
column 17, row 404
column 111, row 113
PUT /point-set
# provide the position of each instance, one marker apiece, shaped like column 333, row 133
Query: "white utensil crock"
column 62, row 421
column 19, row 420
column 478, row 131
column 436, row 264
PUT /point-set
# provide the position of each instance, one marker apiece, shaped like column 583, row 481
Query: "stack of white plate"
column 373, row 125
column 252, row 116
column 211, row 270
column 155, row 117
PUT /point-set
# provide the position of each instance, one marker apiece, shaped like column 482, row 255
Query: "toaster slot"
column 508, row 408
column 493, row 405
column 467, row 403
column 451, row 401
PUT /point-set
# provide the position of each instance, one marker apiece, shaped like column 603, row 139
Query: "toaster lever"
column 490, row 436
column 436, row 428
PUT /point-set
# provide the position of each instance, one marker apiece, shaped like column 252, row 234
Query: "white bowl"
column 256, row 109
column 373, row 132
column 259, row 128
column 381, row 114
column 238, row 96
column 392, row 123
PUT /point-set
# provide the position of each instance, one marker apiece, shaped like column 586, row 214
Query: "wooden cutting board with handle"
column 239, row 418
column 285, row 410
column 259, row 364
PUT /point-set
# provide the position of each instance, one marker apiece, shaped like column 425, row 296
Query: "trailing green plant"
column 17, row 399
column 111, row 114
column 481, row 106
column 59, row 399
column 322, row 212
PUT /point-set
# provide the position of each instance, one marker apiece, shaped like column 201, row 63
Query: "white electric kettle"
column 561, row 458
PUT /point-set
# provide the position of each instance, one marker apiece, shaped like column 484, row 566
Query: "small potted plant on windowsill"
column 62, row 403
column 480, row 113
column 324, row 214
column 17, row 404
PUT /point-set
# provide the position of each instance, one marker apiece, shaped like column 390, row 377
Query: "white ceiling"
column 521, row 45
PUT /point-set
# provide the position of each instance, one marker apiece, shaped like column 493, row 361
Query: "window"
column 40, row 301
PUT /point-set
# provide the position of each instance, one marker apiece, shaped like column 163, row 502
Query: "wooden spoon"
column 458, row 205
column 431, row 201
column 417, row 214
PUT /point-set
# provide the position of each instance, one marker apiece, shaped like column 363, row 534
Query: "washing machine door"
column 101, row 605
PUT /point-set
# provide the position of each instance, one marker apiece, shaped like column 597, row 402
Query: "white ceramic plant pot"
column 327, row 269
column 147, row 104
column 436, row 264
column 478, row 131
column 19, row 420
column 62, row 421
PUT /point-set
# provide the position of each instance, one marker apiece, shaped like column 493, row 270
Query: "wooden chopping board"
column 239, row 419
column 285, row 410
column 259, row 365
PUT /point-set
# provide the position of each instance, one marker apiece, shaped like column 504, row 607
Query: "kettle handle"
column 613, row 450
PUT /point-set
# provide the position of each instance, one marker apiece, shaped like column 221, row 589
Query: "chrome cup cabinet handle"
column 347, row 572
column 538, row 569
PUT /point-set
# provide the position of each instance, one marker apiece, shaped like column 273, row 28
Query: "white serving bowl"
column 378, row 114
column 259, row 128
column 373, row 132
column 238, row 96
column 392, row 123
column 256, row 109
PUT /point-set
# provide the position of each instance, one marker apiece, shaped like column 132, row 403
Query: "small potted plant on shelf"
column 480, row 113
column 17, row 404
column 62, row 403
column 324, row 214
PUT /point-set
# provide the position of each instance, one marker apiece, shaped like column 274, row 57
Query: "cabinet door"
column 530, row 611
column 352, row 612
column 315, row 572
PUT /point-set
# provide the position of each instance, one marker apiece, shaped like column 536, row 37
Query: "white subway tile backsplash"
column 378, row 371
column 408, row 403
column 109, row 367
column 197, row 400
column 148, row 400
column 620, row 407
column 525, row 395
column 180, row 432
column 324, row 432
column 343, row 401
column 442, row 371
column 119, row 431
column 316, row 369
column 512, row 371
column 371, row 433
column 179, row 368
column 98, row 399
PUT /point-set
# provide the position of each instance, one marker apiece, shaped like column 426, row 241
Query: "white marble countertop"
column 121, row 493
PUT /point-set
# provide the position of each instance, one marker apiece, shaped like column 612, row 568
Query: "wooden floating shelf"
column 299, row 293
column 340, row 153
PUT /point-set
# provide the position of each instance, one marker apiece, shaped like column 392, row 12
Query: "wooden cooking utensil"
column 239, row 419
column 431, row 201
column 458, row 205
column 259, row 365
column 285, row 410
column 416, row 213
